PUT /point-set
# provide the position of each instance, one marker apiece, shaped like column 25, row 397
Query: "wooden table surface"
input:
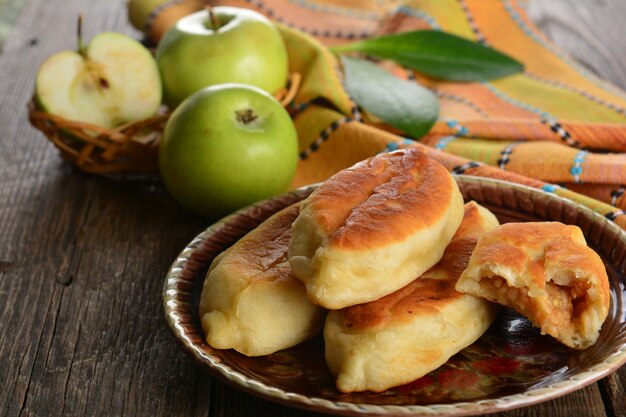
column 82, row 258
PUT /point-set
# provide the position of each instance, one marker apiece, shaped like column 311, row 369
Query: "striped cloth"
column 556, row 126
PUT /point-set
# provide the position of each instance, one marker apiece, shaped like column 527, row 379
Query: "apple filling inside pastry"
column 558, row 310
column 547, row 273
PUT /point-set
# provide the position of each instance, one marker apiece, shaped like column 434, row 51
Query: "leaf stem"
column 344, row 48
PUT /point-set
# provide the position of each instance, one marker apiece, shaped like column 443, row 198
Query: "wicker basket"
column 130, row 148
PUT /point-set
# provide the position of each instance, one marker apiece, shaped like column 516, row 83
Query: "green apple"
column 112, row 81
column 227, row 146
column 221, row 45
column 140, row 10
column 155, row 17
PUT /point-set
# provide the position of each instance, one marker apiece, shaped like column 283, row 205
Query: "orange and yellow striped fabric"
column 556, row 126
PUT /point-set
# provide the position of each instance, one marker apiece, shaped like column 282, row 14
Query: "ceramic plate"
column 510, row 366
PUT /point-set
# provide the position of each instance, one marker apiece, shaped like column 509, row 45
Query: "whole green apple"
column 223, row 45
column 227, row 146
column 111, row 81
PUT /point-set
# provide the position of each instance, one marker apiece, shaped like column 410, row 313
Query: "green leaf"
column 403, row 104
column 439, row 54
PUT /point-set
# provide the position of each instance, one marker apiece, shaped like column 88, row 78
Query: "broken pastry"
column 372, row 228
column 250, row 301
column 547, row 273
column 414, row 330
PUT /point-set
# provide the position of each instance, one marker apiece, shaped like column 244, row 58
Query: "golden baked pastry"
column 547, row 273
column 408, row 333
column 372, row 228
column 250, row 301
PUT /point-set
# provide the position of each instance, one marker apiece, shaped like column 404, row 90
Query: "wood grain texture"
column 82, row 258
column 591, row 31
column 82, row 329
column 613, row 390
column 9, row 10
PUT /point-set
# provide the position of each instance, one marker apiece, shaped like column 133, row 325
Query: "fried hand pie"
column 414, row 330
column 251, row 302
column 547, row 273
column 372, row 228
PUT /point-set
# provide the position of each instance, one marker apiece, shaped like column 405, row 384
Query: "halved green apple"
column 112, row 81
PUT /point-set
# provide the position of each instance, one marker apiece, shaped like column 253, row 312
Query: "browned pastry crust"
column 434, row 288
column 546, row 272
column 370, row 229
column 251, row 302
column 410, row 332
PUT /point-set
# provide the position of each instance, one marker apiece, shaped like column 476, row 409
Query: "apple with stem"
column 111, row 81
column 221, row 45
column 227, row 146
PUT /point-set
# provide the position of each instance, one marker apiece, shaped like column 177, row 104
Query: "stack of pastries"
column 400, row 275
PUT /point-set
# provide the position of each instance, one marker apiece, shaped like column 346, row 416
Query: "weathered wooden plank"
column 591, row 31
column 9, row 10
column 586, row 402
column 82, row 261
column 614, row 393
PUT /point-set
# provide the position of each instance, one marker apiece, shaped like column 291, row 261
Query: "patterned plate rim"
column 171, row 305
